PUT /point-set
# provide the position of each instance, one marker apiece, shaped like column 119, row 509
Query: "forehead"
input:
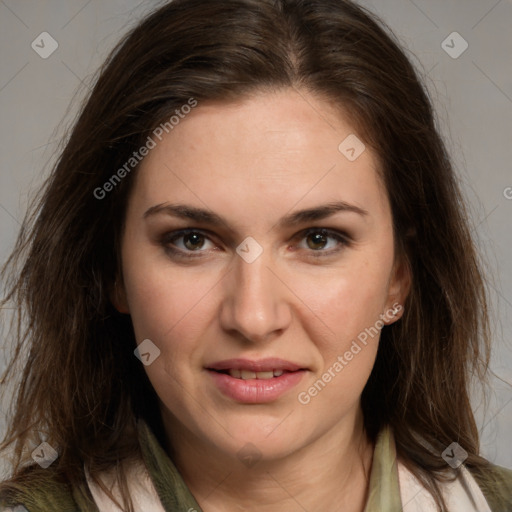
column 262, row 154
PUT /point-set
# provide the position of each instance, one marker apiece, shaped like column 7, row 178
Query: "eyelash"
column 341, row 238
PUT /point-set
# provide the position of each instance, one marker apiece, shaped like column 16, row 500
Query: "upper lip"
column 261, row 365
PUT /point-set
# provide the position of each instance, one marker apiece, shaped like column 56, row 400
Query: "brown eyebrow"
column 204, row 216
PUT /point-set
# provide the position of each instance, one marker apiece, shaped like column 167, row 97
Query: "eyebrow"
column 204, row 216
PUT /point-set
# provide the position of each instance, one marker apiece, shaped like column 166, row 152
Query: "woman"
column 250, row 282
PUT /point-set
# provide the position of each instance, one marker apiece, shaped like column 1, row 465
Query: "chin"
column 268, row 438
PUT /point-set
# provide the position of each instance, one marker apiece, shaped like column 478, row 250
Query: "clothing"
column 157, row 486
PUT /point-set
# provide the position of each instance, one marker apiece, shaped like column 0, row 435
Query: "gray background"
column 472, row 94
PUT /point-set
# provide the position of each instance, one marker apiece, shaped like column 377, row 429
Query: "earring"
column 396, row 309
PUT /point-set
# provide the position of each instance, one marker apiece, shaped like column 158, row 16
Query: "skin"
column 253, row 162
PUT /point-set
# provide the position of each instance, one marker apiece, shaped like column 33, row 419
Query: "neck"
column 333, row 468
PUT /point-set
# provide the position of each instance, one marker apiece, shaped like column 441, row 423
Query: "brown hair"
column 81, row 382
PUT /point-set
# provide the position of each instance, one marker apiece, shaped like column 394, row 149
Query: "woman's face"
column 267, row 310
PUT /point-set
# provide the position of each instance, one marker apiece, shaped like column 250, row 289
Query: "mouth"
column 247, row 369
column 249, row 374
column 261, row 381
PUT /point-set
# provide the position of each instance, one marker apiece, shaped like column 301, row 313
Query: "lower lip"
column 256, row 391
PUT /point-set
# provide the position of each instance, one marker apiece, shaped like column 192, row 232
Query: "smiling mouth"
column 255, row 381
column 249, row 374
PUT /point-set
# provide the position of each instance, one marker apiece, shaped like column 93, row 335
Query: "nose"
column 256, row 306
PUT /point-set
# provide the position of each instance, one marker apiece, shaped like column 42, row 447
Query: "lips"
column 260, row 381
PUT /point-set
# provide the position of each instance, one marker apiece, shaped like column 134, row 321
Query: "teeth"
column 265, row 375
column 248, row 374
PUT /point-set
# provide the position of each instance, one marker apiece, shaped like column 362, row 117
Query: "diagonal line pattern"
column 79, row 79
column 486, row 14
column 190, row 190
column 501, row 295
column 192, row 307
column 316, row 111
column 407, row 502
column 505, row 381
column 185, row 390
column 432, row 68
column 481, row 429
column 484, row 219
column 15, row 75
column 75, row 15
column 424, row 14
column 492, row 81
column 83, row 83
column 300, row 199
column 13, row 13
column 314, row 314
column 10, row 215
column 496, row 414
column 45, row 145
column 286, row 491
column 218, row 485
column 280, row 423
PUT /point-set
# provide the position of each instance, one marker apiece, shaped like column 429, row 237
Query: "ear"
column 117, row 296
column 398, row 290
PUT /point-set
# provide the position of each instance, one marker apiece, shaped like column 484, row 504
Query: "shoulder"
column 495, row 483
column 41, row 490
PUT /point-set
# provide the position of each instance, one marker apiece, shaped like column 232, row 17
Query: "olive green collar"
column 172, row 490
column 384, row 489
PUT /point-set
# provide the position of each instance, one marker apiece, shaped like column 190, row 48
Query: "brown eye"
column 187, row 243
column 317, row 240
column 323, row 242
column 193, row 241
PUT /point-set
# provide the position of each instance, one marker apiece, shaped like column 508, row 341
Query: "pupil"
column 318, row 239
column 193, row 240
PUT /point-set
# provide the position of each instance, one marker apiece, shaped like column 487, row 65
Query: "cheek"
column 345, row 326
column 162, row 297
column 171, row 308
column 346, row 334
column 344, row 303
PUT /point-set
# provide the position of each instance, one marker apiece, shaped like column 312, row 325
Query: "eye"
column 187, row 241
column 324, row 240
